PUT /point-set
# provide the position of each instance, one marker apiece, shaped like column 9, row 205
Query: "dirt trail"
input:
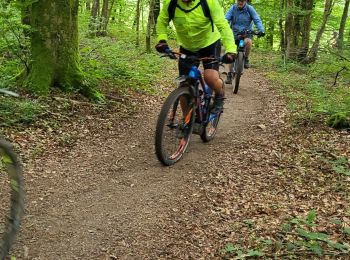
column 109, row 197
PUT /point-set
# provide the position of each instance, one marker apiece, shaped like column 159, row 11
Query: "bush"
column 320, row 90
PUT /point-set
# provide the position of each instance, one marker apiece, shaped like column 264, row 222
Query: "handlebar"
column 191, row 58
column 245, row 33
column 8, row 92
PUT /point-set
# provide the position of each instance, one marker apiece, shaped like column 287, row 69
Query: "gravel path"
column 109, row 198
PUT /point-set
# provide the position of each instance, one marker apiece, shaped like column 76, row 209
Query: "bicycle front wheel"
column 11, row 197
column 174, row 126
column 239, row 70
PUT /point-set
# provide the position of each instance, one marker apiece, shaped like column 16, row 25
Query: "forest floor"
column 95, row 189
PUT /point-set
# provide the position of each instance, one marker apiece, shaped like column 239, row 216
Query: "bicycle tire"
column 210, row 129
column 10, row 166
column 239, row 71
column 179, row 126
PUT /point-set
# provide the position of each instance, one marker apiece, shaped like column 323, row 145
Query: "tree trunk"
column 297, row 23
column 88, row 5
column 142, row 17
column 156, row 11
column 282, row 30
column 137, row 22
column 110, row 11
column 289, row 31
column 314, row 49
column 103, row 19
column 307, row 8
column 297, row 28
column 150, row 25
column 270, row 33
column 342, row 25
column 54, row 46
column 95, row 12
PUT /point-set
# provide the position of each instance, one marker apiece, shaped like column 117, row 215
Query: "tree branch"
column 337, row 75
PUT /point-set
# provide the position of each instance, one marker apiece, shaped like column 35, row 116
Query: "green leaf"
column 313, row 235
column 267, row 241
column 290, row 246
column 255, row 253
column 239, row 253
column 14, row 185
column 295, row 221
column 340, row 165
column 248, row 222
column 336, row 221
column 6, row 159
column 286, row 227
column 316, row 248
column 338, row 246
column 346, row 231
column 311, row 217
column 230, row 248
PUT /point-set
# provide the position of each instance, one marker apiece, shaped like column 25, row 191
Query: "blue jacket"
column 243, row 19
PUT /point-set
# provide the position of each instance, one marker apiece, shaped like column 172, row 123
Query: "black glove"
column 228, row 58
column 162, row 46
column 261, row 34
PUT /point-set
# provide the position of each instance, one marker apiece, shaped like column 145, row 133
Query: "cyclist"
column 199, row 35
column 241, row 16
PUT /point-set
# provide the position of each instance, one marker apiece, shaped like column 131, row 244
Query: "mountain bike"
column 186, row 110
column 11, row 194
column 238, row 66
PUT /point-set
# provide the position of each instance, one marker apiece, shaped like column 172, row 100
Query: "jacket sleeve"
column 229, row 14
column 163, row 22
column 256, row 18
column 217, row 14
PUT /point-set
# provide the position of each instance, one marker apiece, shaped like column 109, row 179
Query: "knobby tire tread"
column 163, row 116
column 13, row 221
column 239, row 70
column 204, row 136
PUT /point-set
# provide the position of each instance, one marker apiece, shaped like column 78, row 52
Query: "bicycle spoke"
column 211, row 128
column 173, row 135
column 174, row 127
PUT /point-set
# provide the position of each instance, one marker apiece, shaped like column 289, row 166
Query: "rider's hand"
column 261, row 34
column 162, row 46
column 228, row 58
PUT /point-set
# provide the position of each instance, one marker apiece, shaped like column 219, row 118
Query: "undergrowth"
column 112, row 64
column 299, row 237
column 18, row 111
column 316, row 92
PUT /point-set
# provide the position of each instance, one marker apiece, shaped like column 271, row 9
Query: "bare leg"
column 228, row 67
column 211, row 77
column 248, row 46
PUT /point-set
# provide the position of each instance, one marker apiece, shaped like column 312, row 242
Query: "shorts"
column 212, row 50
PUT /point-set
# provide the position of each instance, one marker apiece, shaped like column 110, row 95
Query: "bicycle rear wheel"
column 210, row 129
column 239, row 70
column 174, row 126
column 11, row 197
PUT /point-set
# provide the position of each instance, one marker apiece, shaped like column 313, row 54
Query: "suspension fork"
column 186, row 110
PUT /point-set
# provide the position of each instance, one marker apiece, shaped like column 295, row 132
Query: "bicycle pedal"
column 171, row 125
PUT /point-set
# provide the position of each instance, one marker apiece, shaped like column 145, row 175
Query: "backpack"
column 173, row 4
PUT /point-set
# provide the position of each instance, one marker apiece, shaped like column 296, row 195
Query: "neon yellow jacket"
column 193, row 29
